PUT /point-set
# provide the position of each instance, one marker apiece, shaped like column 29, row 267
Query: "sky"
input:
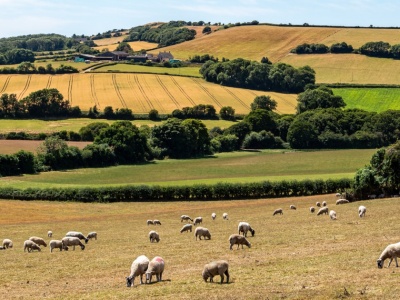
column 68, row 17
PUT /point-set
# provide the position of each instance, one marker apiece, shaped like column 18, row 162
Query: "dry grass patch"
column 13, row 146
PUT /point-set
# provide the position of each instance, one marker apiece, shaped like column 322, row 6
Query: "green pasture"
column 224, row 167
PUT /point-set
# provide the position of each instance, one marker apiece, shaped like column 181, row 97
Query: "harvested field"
column 13, row 146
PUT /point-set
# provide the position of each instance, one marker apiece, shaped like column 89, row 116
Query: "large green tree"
column 321, row 97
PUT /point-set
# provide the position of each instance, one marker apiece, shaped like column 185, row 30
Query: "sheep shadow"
column 163, row 280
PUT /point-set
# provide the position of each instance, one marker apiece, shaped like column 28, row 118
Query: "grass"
column 185, row 71
column 294, row 256
column 224, row 167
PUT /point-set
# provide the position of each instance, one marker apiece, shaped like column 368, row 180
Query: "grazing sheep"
column 312, row 209
column 324, row 203
column 154, row 236
column 323, row 210
column 236, row 239
column 338, row 195
column 38, row 241
column 72, row 241
column 156, row 222
column 219, row 267
column 186, row 218
column 245, row 227
column 292, row 207
column 392, row 251
column 332, row 215
column 138, row 268
column 213, row 216
column 278, row 211
column 49, row 233
column 202, row 232
column 57, row 244
column 342, row 201
column 187, row 227
column 92, row 235
column 156, row 267
column 318, row 204
column 30, row 246
column 2, row 248
column 150, row 222
column 225, row 216
column 361, row 211
column 198, row 221
column 7, row 243
column 77, row 234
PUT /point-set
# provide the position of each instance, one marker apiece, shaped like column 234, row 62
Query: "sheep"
column 236, row 239
column 187, row 227
column 154, row 236
column 361, row 211
column 338, row 195
column 92, row 235
column 225, row 216
column 156, row 267
column 312, row 209
column 342, row 201
column 244, row 227
column 198, row 220
column 7, row 243
column 202, row 232
column 318, row 204
column 37, row 240
column 30, row 246
column 392, row 251
column 156, row 222
column 186, row 218
column 213, row 216
column 77, row 234
column 323, row 210
column 219, row 267
column 138, row 268
column 49, row 233
column 278, row 211
column 150, row 222
column 57, row 244
column 72, row 241
column 292, row 207
column 332, row 215
column 2, row 248
column 324, row 203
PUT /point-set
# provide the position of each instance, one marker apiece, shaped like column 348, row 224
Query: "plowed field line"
column 70, row 82
column 182, row 90
column 28, row 81
column 114, row 79
column 93, row 91
column 49, row 81
column 167, row 92
column 207, row 92
column 142, row 91
column 236, row 97
column 5, row 84
column 155, row 98
column 132, row 85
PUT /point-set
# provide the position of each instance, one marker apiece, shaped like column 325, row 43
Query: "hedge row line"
column 219, row 191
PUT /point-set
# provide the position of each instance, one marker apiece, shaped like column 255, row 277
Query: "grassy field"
column 244, row 166
column 13, row 146
column 185, row 71
column 294, row 256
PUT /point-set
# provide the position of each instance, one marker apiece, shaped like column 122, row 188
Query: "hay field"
column 13, row 146
column 294, row 256
column 123, row 67
column 112, row 44
column 141, row 92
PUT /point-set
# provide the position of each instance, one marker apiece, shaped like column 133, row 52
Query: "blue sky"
column 20, row 17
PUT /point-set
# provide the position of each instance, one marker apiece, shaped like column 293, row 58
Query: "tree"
column 227, row 113
column 206, row 30
column 125, row 47
column 261, row 119
column 16, row 56
column 321, row 97
column 302, row 135
column 153, row 115
column 108, row 112
column 240, row 130
column 90, row 131
column 263, row 102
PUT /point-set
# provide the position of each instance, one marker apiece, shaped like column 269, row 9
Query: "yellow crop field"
column 141, row 92
column 136, row 46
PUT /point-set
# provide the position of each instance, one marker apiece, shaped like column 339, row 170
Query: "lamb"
column 92, row 235
column 202, row 232
column 324, row 203
column 187, row 227
column 30, row 246
column 312, row 209
column 236, row 239
column 2, row 248
column 37, row 240
column 219, row 267
column 392, row 251
column 278, row 211
column 156, row 222
column 213, row 216
column 186, row 218
column 198, row 220
column 7, row 243
column 156, row 267
column 154, row 236
column 244, row 227
column 225, row 216
column 323, row 210
column 138, row 268
column 49, row 233
column 361, row 211
column 332, row 215
column 342, row 201
column 72, row 241
column 292, row 207
column 318, row 204
column 57, row 244
column 150, row 222
column 77, row 234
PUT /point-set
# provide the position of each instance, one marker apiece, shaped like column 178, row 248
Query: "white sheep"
column 342, row 201
column 213, row 216
column 7, row 243
column 312, row 209
column 150, row 222
column 186, row 218
column 225, row 216
column 198, row 221
column 30, row 246
column 38, row 241
column 332, row 215
column 138, row 268
column 57, row 244
column 2, row 248
column 292, row 207
column 156, row 267
column 202, row 232
column 318, row 204
column 392, row 251
column 338, row 195
column 92, row 235
column 245, row 227
column 187, row 227
column 361, row 211
column 49, row 233
column 156, row 222
column 219, row 267
column 236, row 239
column 278, row 211
column 72, row 241
column 154, row 236
column 78, row 235
column 324, row 203
column 323, row 210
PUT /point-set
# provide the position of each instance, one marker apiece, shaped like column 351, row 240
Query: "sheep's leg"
column 230, row 248
column 390, row 261
column 222, row 277
column 161, row 276
column 211, row 278
column 227, row 276
column 397, row 265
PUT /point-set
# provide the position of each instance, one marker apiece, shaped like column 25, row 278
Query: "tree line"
column 30, row 68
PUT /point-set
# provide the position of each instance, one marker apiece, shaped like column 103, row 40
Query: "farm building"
column 112, row 55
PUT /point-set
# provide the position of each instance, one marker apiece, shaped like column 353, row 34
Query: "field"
column 294, row 256
column 112, row 43
column 55, row 64
column 185, row 71
column 13, row 146
column 243, row 166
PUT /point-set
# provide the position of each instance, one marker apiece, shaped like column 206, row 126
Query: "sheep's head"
column 83, row 247
column 248, row 244
column 129, row 281
column 380, row 263
column 205, row 275
column 253, row 232
column 86, row 241
column 65, row 247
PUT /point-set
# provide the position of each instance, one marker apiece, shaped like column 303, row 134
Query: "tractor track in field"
column 155, row 98
column 70, row 83
column 141, row 89
column 167, row 91
column 27, row 83
column 207, row 92
column 93, row 91
column 236, row 97
column 114, row 79
column 49, row 80
column 6, row 84
column 182, row 90
column 132, row 85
